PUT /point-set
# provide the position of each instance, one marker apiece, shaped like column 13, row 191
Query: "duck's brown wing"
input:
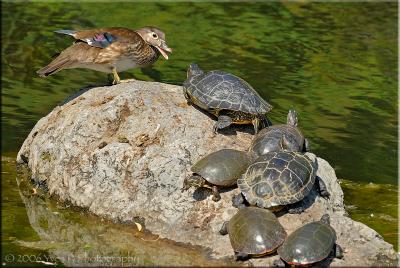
column 103, row 37
column 75, row 54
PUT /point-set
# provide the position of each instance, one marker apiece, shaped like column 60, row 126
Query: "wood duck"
column 110, row 50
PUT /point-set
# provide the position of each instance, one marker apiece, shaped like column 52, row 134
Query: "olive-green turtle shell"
column 310, row 243
column 255, row 231
column 223, row 167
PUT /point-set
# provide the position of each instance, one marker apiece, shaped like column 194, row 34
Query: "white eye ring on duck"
column 155, row 36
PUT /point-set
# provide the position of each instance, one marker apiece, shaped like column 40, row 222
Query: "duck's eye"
column 155, row 35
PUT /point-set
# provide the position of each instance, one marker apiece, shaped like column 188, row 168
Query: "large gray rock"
column 78, row 238
column 123, row 151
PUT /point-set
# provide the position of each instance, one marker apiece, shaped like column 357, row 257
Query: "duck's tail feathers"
column 55, row 66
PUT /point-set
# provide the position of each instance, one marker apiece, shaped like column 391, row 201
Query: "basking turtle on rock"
column 218, row 169
column 226, row 96
column 280, row 137
column 310, row 244
column 253, row 232
column 279, row 179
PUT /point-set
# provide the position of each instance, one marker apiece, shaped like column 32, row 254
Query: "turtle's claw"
column 215, row 128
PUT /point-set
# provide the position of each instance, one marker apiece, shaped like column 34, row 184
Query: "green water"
column 335, row 63
column 14, row 221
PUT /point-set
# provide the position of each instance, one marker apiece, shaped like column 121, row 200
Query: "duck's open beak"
column 163, row 48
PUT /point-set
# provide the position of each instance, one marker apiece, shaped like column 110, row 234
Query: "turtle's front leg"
column 187, row 97
column 240, row 256
column 338, row 251
column 238, row 201
column 223, row 122
column 322, row 189
column 216, row 196
column 296, row 208
column 256, row 124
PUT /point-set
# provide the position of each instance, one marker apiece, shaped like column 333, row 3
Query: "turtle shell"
column 223, row 167
column 310, row 243
column 255, row 231
column 268, row 139
column 218, row 90
column 278, row 178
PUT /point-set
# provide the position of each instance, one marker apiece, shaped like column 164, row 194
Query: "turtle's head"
column 192, row 181
column 292, row 118
column 194, row 70
column 325, row 219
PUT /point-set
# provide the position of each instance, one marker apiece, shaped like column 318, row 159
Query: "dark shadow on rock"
column 232, row 129
column 227, row 189
column 280, row 213
column 80, row 92
column 325, row 263
column 201, row 193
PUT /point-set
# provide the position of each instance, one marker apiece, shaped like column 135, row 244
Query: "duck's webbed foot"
column 116, row 80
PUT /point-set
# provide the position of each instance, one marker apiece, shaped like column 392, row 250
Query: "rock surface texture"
column 123, row 151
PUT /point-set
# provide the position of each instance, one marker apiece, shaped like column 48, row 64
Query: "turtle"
column 310, row 244
column 218, row 169
column 253, row 232
column 279, row 179
column 280, row 137
column 231, row 99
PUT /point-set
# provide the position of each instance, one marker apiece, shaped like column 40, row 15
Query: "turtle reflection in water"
column 226, row 96
column 309, row 244
column 279, row 179
column 218, row 169
column 253, row 232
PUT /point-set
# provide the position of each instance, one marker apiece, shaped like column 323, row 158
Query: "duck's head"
column 156, row 38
